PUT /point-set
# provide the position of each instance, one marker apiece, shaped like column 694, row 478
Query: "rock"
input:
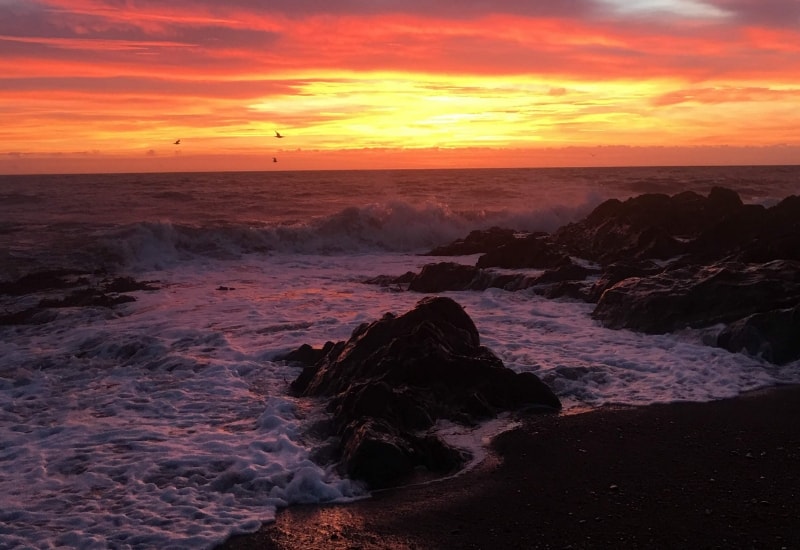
column 619, row 271
column 443, row 276
column 400, row 282
column 305, row 355
column 534, row 251
column 650, row 226
column 87, row 297
column 773, row 335
column 567, row 271
column 57, row 279
column 378, row 454
column 129, row 284
column 400, row 374
column 478, row 241
column 699, row 296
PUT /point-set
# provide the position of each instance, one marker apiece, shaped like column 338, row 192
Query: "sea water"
column 167, row 422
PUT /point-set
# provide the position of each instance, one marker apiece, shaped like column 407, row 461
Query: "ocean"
column 166, row 422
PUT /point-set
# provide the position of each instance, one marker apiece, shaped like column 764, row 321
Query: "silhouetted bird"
column 274, row 159
column 177, row 142
column 278, row 134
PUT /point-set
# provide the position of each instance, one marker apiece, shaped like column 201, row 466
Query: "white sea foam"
column 169, row 425
column 390, row 227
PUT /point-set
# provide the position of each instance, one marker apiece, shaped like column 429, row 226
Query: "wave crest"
column 386, row 227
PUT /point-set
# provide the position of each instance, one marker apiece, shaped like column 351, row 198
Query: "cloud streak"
column 392, row 74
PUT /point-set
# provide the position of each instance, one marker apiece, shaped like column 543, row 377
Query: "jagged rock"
column 444, row 276
column 305, row 355
column 392, row 280
column 127, row 284
column 650, row 226
column 87, row 297
column 405, row 372
column 619, row 271
column 56, row 279
column 698, row 296
column 478, row 241
column 534, row 251
column 773, row 335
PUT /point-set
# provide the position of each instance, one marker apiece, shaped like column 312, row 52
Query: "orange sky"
column 108, row 86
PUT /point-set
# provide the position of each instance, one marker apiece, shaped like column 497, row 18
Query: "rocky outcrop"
column 699, row 296
column 399, row 375
column 650, row 226
column 773, row 335
column 534, row 251
column 477, row 242
column 67, row 288
column 653, row 263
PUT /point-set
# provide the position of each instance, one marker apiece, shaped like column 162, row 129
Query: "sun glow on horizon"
column 92, row 81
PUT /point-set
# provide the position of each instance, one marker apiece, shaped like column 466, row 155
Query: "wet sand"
column 724, row 474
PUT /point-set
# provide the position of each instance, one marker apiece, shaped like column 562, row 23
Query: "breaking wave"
column 389, row 227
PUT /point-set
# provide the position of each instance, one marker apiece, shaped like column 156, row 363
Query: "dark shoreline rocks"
column 653, row 263
column 61, row 288
column 395, row 377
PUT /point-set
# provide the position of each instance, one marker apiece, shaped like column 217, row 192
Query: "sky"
column 111, row 85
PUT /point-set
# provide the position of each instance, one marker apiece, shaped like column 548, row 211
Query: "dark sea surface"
column 165, row 422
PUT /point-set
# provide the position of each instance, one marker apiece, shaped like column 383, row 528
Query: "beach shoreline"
column 721, row 474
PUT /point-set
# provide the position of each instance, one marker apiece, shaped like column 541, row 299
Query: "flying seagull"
column 177, row 142
column 278, row 134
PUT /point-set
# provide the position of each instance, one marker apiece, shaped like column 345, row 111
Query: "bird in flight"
column 278, row 134
column 177, row 142
column 274, row 159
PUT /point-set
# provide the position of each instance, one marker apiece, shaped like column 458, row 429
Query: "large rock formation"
column 662, row 263
column 699, row 296
column 399, row 375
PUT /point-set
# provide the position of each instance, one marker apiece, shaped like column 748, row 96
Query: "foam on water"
column 167, row 423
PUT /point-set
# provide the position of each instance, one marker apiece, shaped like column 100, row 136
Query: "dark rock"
column 305, row 354
column 773, row 335
column 400, row 374
column 568, row 271
column 87, row 297
column 379, row 454
column 57, row 279
column 478, row 241
column 127, row 284
column 699, row 296
column 574, row 290
column 392, row 281
column 534, row 251
column 619, row 271
column 444, row 276
column 650, row 226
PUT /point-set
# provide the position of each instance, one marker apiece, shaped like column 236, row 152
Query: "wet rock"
column 477, row 242
column 305, row 355
column 57, row 279
column 534, row 251
column 699, row 296
column 400, row 374
column 650, row 226
column 88, row 297
column 773, row 335
column 444, row 276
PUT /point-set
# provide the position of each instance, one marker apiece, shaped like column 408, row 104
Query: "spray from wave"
column 386, row 227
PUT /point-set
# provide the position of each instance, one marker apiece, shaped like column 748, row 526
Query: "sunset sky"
column 109, row 85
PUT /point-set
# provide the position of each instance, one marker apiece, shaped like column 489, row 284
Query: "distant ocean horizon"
column 167, row 422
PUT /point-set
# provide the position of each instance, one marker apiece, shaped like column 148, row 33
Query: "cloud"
column 727, row 95
column 773, row 13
